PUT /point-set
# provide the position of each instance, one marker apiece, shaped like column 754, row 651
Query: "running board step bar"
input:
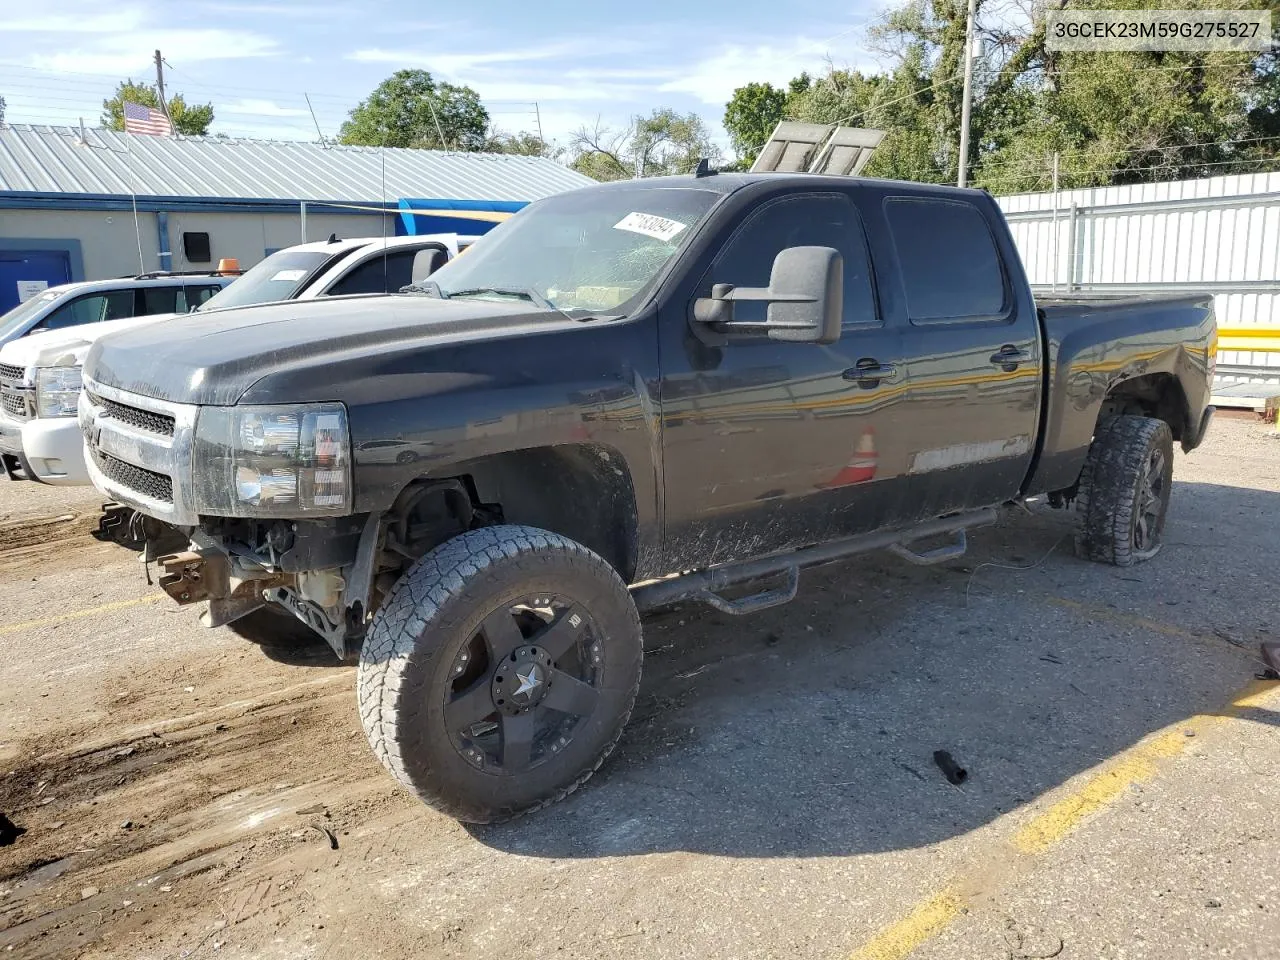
column 704, row 585
column 948, row 551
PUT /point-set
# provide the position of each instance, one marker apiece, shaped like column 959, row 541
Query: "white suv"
column 95, row 301
column 40, row 374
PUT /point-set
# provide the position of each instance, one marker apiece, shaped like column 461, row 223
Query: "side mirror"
column 426, row 262
column 805, row 297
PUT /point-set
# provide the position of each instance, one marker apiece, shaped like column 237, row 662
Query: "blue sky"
column 254, row 59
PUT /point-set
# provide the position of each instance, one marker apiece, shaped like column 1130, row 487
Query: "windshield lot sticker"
column 289, row 276
column 651, row 225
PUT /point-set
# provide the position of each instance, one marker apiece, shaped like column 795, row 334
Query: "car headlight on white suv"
column 256, row 461
column 57, row 391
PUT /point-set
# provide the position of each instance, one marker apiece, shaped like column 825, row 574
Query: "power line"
column 1028, row 163
column 1158, row 166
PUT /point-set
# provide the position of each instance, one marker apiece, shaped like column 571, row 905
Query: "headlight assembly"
column 272, row 461
column 57, row 391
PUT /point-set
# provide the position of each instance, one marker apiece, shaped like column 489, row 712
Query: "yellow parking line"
column 1069, row 812
column 76, row 615
column 1135, row 765
column 923, row 923
column 1126, row 619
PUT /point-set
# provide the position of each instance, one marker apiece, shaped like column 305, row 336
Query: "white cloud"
column 119, row 20
column 260, row 108
column 127, row 52
column 713, row 79
column 547, row 91
column 460, row 62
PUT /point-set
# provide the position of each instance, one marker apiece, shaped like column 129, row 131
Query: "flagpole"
column 133, row 193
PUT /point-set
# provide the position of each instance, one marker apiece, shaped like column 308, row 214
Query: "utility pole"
column 967, row 102
column 537, row 112
column 164, row 104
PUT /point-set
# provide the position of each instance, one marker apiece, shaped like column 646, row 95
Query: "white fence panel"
column 1218, row 235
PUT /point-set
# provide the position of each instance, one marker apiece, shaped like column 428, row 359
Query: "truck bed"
column 1093, row 340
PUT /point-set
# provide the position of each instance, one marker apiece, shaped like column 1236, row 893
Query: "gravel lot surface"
column 185, row 793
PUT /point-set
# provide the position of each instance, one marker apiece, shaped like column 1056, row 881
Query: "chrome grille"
column 11, row 373
column 133, row 416
column 14, row 404
column 138, row 450
column 150, row 484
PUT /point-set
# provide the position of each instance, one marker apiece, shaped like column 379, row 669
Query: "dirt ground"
column 181, row 792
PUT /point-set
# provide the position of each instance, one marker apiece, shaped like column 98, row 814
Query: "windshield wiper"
column 525, row 293
column 425, row 288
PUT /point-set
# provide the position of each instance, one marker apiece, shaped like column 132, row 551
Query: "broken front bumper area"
column 321, row 574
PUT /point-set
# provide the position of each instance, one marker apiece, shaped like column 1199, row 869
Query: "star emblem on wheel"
column 530, row 680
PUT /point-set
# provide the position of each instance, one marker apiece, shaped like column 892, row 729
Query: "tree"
column 661, row 144
column 750, row 116
column 411, row 109
column 191, row 120
column 524, row 144
column 1112, row 118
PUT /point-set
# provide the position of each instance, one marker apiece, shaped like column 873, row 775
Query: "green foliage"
column 661, row 144
column 524, row 144
column 750, row 117
column 1112, row 118
column 192, row 120
column 411, row 109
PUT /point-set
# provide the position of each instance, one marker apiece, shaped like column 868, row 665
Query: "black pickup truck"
column 627, row 396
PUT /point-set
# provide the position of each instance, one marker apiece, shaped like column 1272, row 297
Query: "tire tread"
column 1105, row 496
column 418, row 598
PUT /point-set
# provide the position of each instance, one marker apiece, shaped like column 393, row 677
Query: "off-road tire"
column 405, row 666
column 1108, row 500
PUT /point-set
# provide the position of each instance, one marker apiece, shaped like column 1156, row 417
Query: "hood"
column 67, row 347
column 215, row 359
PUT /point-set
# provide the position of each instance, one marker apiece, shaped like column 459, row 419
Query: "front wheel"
column 499, row 673
column 1124, row 491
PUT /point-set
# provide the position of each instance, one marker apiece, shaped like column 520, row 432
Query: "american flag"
column 140, row 119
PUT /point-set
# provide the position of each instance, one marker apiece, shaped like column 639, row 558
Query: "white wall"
column 107, row 239
column 110, row 245
column 247, row 236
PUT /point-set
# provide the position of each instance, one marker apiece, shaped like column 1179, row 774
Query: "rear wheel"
column 500, row 672
column 1124, row 491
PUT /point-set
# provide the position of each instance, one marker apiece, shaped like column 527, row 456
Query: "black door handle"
column 1008, row 358
column 868, row 372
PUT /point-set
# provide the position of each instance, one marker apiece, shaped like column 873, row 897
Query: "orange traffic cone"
column 862, row 465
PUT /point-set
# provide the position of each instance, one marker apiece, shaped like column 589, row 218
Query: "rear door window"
column 158, row 300
column 191, row 297
column 92, row 308
column 951, row 268
column 380, row 274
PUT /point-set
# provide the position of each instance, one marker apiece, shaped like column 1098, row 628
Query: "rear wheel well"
column 1157, row 395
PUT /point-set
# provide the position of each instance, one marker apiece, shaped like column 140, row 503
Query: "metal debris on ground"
column 954, row 773
column 333, row 838
column 9, row 831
